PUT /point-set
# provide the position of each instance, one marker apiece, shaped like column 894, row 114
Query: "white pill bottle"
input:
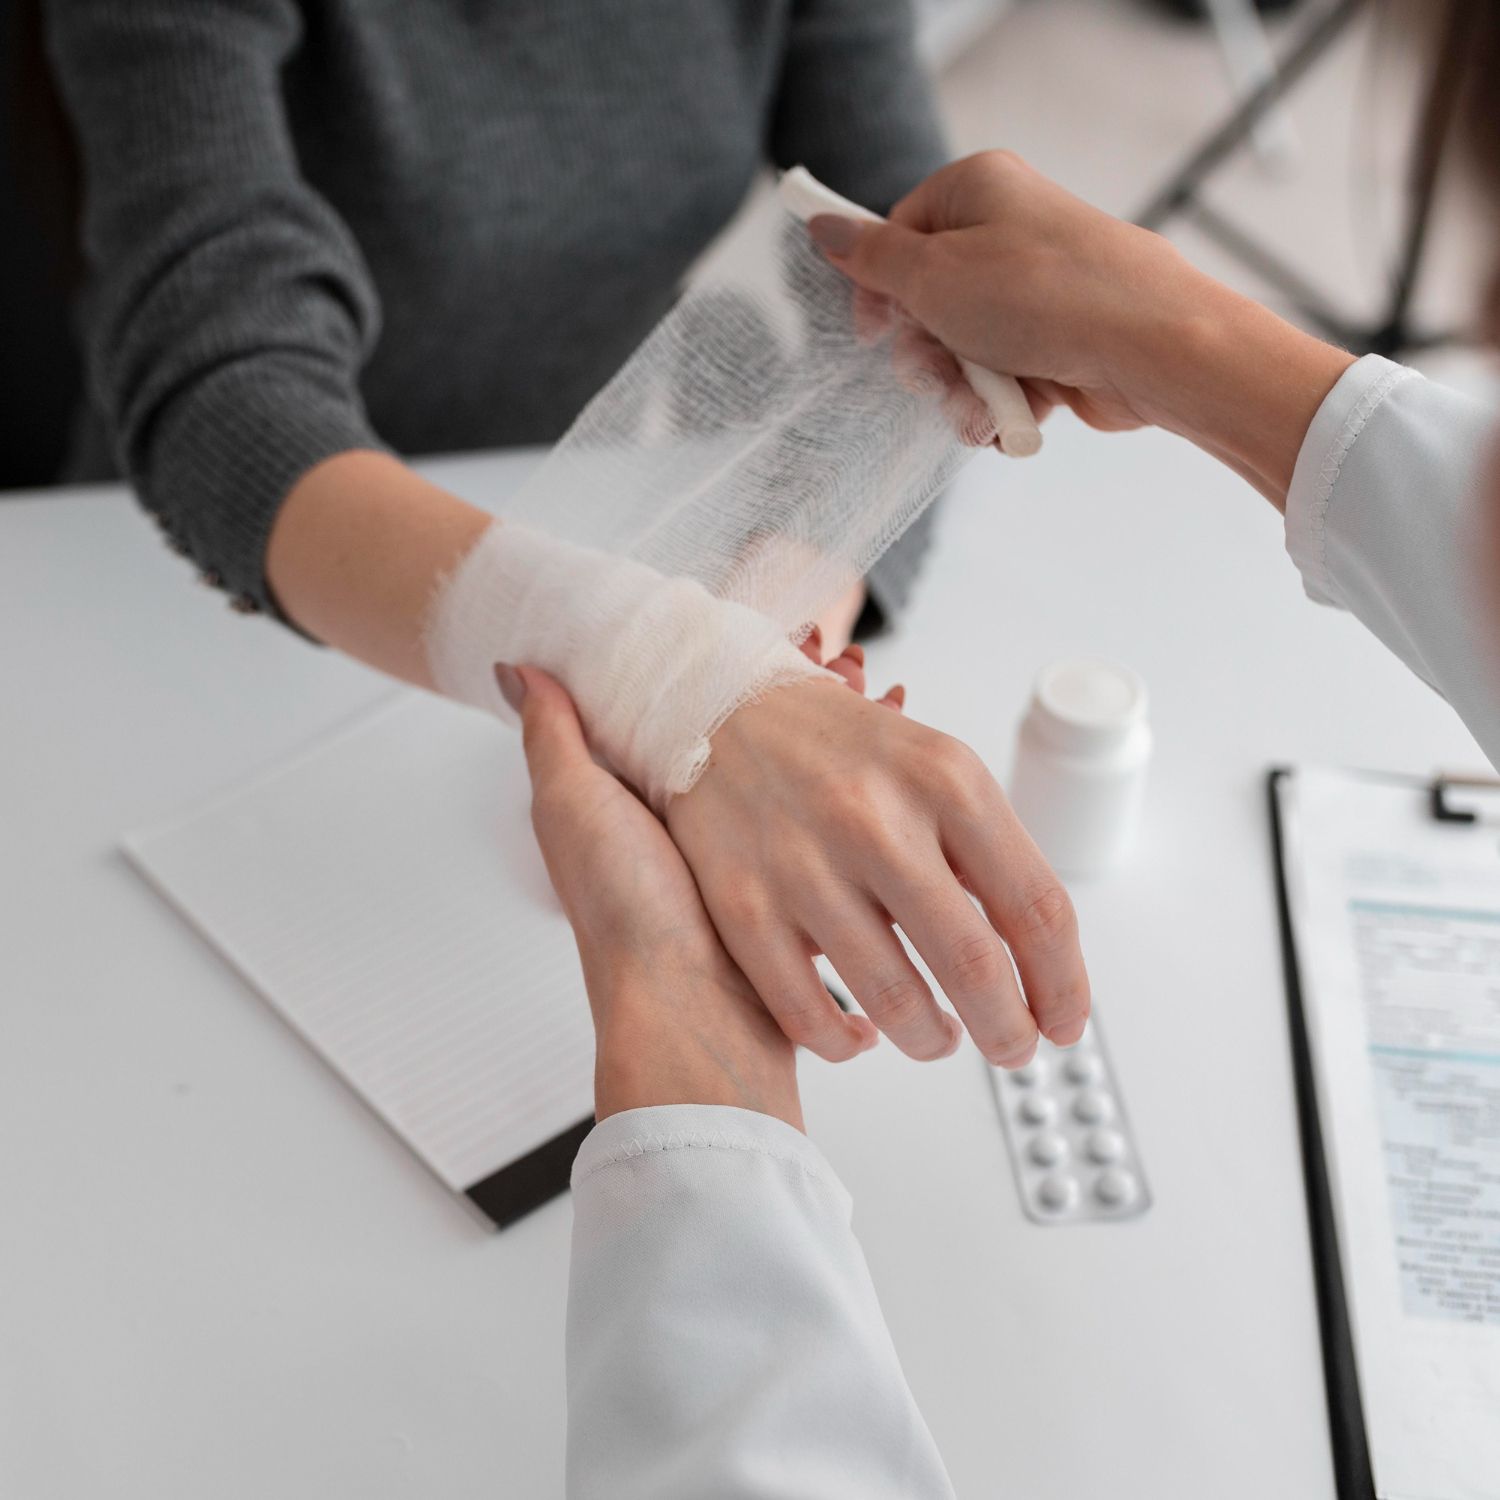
column 1082, row 753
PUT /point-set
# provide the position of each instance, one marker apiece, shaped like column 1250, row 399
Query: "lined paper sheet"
column 384, row 893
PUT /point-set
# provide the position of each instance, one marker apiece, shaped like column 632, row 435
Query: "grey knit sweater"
column 428, row 225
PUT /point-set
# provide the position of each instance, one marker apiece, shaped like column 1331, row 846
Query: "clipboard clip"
column 1446, row 810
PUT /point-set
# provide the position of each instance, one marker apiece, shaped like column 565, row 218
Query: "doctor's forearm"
column 1236, row 380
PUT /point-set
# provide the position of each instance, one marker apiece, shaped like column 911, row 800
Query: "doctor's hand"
column 824, row 818
column 1009, row 270
column 676, row 1022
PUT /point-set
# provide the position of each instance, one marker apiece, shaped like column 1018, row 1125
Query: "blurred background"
column 1111, row 97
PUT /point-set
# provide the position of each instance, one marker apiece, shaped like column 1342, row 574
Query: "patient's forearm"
column 358, row 551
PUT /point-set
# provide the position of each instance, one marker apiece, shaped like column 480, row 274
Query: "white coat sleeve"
column 1386, row 518
column 724, row 1339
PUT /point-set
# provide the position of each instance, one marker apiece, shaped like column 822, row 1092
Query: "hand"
column 1011, row 271
column 823, row 819
column 676, row 1021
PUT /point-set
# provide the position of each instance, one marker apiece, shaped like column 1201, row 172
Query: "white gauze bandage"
column 1015, row 427
column 655, row 664
column 740, row 473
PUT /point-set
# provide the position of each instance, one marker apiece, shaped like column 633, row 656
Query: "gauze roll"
column 655, row 664
column 1015, row 427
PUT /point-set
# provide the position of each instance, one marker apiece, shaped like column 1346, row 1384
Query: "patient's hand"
column 677, row 1023
column 822, row 819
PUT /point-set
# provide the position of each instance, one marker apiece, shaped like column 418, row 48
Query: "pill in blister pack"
column 1071, row 1147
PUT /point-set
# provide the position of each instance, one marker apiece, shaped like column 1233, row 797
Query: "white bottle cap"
column 1084, row 705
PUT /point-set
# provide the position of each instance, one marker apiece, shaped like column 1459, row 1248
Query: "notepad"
column 383, row 892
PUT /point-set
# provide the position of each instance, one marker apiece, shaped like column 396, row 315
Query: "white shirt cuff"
column 1341, row 418
column 707, row 1127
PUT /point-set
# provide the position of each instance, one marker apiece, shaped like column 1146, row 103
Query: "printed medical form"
column 1396, row 916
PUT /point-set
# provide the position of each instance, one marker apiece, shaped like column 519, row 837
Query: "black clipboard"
column 1353, row 1476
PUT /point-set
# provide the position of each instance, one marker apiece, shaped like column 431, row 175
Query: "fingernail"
column 855, row 653
column 1015, row 1060
column 896, row 698
column 1068, row 1033
column 815, row 639
column 834, row 235
column 512, row 684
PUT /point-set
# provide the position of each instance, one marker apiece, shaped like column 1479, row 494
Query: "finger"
column 850, row 665
column 967, row 958
column 894, row 697
column 1040, row 402
column 924, row 366
column 550, row 730
column 781, row 972
column 871, row 961
column 874, row 316
column 970, row 417
column 884, row 258
column 1029, row 908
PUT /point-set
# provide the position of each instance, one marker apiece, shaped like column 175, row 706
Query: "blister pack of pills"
column 1071, row 1146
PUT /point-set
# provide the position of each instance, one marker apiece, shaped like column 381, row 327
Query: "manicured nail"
column 512, row 684
column 834, row 235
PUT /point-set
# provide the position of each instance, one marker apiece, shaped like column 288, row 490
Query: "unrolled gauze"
column 752, row 446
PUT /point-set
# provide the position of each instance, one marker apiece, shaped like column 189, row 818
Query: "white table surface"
column 219, row 1275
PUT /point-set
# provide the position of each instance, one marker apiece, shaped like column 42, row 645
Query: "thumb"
column 550, row 730
column 884, row 258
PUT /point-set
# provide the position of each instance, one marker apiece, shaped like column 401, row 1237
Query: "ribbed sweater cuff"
column 224, row 458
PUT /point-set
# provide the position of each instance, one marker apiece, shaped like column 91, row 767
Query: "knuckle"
column 899, row 1002
column 854, row 799
column 1003, row 162
column 1046, row 918
column 743, row 906
column 957, row 761
column 807, row 1023
column 957, row 773
column 976, row 963
column 1007, row 1043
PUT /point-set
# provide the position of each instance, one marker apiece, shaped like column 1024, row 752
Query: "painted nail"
column 834, row 235
column 512, row 685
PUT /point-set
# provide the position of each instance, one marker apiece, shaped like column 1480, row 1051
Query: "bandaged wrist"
column 654, row 664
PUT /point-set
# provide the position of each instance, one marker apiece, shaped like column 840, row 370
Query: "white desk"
column 222, row 1277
